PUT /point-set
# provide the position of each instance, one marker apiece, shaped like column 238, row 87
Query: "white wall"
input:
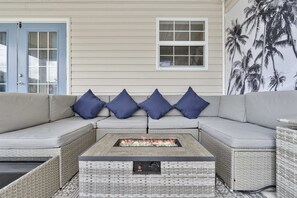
column 112, row 43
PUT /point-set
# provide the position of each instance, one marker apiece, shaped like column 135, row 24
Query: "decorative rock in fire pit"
column 153, row 142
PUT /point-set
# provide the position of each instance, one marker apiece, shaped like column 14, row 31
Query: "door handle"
column 20, row 83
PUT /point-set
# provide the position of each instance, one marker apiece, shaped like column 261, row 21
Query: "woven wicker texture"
column 115, row 179
column 242, row 169
column 286, row 161
column 70, row 190
column 193, row 132
column 68, row 154
column 42, row 181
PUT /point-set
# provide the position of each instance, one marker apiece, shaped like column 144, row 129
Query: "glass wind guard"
column 3, row 61
column 42, row 62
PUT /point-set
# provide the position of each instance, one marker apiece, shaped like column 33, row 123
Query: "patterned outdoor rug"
column 70, row 190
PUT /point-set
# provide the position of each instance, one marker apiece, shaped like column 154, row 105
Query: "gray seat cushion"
column 233, row 107
column 134, row 122
column 173, row 122
column 265, row 108
column 208, row 120
column 49, row 135
column 240, row 135
column 83, row 121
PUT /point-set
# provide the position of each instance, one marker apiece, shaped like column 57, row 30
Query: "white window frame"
column 182, row 43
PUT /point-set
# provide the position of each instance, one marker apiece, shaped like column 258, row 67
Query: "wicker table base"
column 42, row 181
column 115, row 179
column 107, row 170
column 286, row 162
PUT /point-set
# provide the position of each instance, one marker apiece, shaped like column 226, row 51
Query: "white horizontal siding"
column 110, row 74
column 112, row 43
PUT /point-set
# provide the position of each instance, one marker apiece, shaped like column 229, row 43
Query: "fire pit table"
column 147, row 165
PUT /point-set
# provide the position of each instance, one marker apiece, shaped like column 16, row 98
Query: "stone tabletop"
column 291, row 121
column 104, row 150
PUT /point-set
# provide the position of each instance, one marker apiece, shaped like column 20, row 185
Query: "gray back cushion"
column 264, row 108
column 213, row 108
column 104, row 111
column 137, row 99
column 60, row 106
column 173, row 99
column 233, row 107
column 19, row 110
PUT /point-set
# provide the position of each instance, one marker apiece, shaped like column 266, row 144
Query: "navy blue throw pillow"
column 156, row 105
column 123, row 106
column 191, row 105
column 88, row 105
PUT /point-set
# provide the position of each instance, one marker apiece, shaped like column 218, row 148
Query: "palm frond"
column 279, row 54
column 254, row 69
column 259, row 56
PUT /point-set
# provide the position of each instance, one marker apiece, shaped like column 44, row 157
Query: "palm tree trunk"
column 291, row 39
column 275, row 73
column 294, row 48
column 243, row 85
column 263, row 55
column 229, row 84
column 228, row 90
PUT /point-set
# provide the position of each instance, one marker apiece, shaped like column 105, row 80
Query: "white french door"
column 33, row 58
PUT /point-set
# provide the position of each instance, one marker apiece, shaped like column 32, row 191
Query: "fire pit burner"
column 152, row 142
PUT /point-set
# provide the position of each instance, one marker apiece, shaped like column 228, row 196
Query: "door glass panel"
column 33, row 40
column 52, row 74
column 42, row 62
column 43, row 40
column 53, row 39
column 3, row 62
column 42, row 57
column 33, row 75
column 33, row 58
column 53, row 58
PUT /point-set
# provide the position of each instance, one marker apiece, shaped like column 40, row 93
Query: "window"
column 182, row 44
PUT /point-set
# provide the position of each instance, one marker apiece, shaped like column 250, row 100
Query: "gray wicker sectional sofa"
column 238, row 130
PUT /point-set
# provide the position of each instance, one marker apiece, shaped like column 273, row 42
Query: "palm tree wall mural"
column 261, row 46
